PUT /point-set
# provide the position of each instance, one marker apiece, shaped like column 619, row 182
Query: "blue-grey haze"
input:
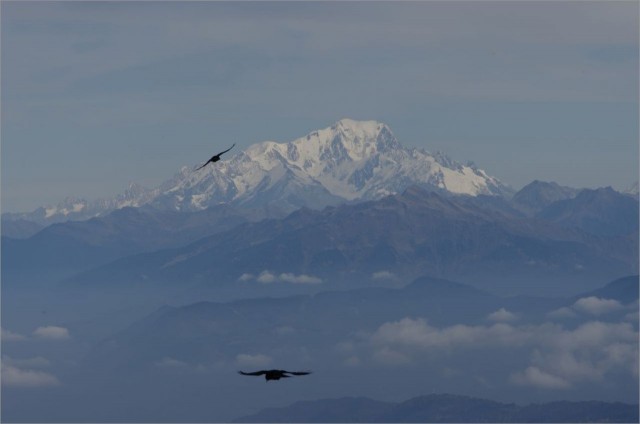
column 146, row 315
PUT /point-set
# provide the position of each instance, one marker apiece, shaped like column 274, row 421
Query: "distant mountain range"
column 337, row 335
column 62, row 249
column 537, row 195
column 592, row 236
column 350, row 161
column 396, row 211
column 75, row 209
column 406, row 235
column 602, row 212
column 444, row 408
column 385, row 270
column 201, row 332
column 633, row 190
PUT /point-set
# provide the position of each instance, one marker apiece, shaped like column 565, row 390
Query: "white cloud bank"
column 52, row 332
column 267, row 277
column 36, row 362
column 419, row 334
column 591, row 305
column 502, row 315
column 13, row 376
column 383, row 275
column 533, row 376
column 596, row 306
column 258, row 360
column 562, row 313
column 8, row 336
column 176, row 365
column 559, row 358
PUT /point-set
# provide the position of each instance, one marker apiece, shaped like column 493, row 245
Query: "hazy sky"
column 99, row 94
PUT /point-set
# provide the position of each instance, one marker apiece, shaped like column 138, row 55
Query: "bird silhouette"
column 275, row 374
column 215, row 158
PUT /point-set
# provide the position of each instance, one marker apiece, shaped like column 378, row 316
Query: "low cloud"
column 299, row 279
column 383, row 275
column 8, row 336
column 502, row 315
column 632, row 316
column 258, row 360
column 267, row 277
column 246, row 277
column 390, row 356
column 36, row 362
column 52, row 332
column 169, row 363
column 533, row 376
column 596, row 306
column 559, row 357
column 562, row 313
column 587, row 305
column 419, row 334
column 13, row 376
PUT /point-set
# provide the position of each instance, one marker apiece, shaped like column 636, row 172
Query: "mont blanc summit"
column 349, row 161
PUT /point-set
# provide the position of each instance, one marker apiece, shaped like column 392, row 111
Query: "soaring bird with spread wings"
column 275, row 374
column 215, row 158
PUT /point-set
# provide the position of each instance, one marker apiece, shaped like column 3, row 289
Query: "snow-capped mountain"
column 632, row 190
column 350, row 161
column 76, row 209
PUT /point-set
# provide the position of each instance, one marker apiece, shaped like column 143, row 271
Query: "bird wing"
column 252, row 373
column 202, row 166
column 226, row 150
column 298, row 372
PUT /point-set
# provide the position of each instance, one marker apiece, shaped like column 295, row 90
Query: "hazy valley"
column 391, row 273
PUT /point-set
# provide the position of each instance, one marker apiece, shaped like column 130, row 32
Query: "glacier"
column 347, row 162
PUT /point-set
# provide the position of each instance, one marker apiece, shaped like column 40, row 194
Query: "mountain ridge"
column 602, row 211
column 444, row 408
column 403, row 235
column 537, row 195
column 349, row 161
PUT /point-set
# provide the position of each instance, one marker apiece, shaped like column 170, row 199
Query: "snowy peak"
column 349, row 161
column 347, row 140
column 632, row 190
column 75, row 209
column 67, row 206
column 361, row 140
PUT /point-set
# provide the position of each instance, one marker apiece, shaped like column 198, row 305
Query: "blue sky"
column 97, row 95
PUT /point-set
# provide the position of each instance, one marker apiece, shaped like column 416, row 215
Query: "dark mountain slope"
column 20, row 228
column 444, row 408
column 601, row 212
column 60, row 250
column 537, row 195
column 407, row 235
column 624, row 290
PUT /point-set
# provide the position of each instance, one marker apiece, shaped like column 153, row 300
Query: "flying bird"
column 275, row 374
column 215, row 158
